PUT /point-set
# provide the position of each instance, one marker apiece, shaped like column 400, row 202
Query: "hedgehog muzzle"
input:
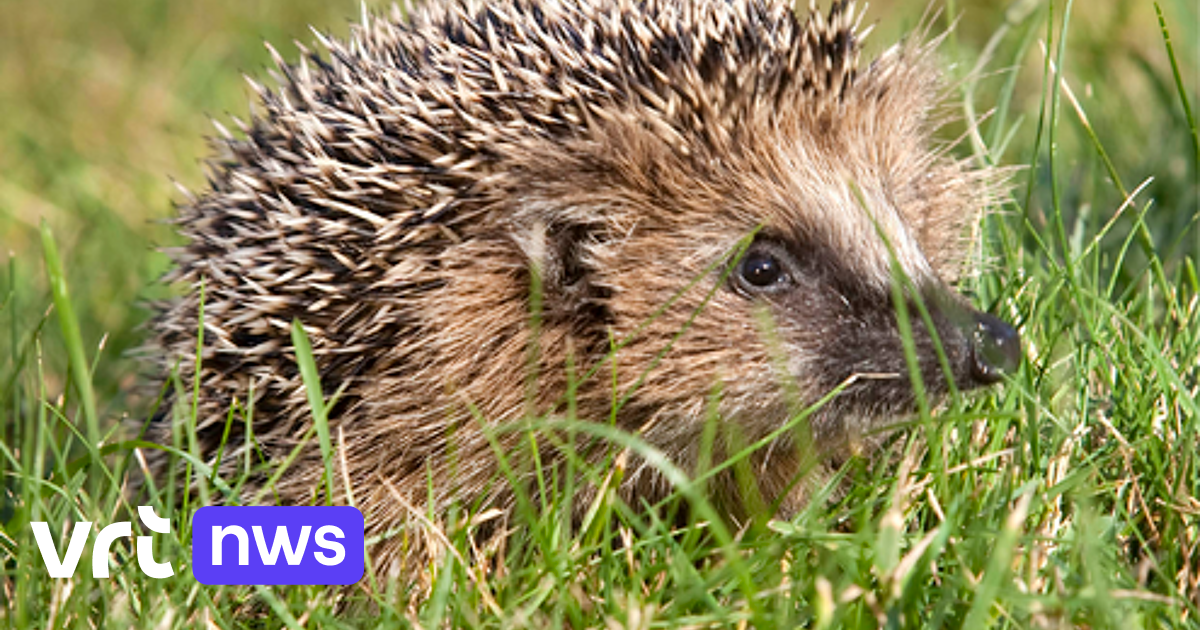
column 995, row 348
column 987, row 347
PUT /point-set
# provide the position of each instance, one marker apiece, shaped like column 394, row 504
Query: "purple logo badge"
column 277, row 545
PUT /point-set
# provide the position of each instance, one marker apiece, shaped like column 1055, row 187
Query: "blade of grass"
column 316, row 402
column 1183, row 99
column 76, row 356
column 979, row 616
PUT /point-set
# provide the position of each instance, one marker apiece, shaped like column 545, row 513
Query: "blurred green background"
column 103, row 104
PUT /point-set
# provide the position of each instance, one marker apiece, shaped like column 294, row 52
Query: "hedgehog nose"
column 995, row 349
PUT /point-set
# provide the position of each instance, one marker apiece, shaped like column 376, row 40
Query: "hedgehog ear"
column 557, row 254
column 567, row 245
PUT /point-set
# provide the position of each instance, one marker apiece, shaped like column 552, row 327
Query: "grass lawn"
column 1067, row 497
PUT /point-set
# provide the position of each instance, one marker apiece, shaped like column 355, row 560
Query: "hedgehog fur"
column 710, row 197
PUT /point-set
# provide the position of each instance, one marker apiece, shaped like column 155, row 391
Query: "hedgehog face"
column 838, row 236
column 838, row 206
column 798, row 298
column 834, row 328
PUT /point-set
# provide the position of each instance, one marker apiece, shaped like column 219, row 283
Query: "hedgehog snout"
column 995, row 348
column 985, row 348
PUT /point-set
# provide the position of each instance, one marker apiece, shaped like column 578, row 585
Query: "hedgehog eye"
column 761, row 270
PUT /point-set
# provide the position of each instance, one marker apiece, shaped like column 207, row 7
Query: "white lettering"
column 145, row 544
column 102, row 545
column 219, row 533
column 282, row 541
column 65, row 568
column 338, row 549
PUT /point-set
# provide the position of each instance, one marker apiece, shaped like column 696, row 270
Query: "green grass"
column 1068, row 497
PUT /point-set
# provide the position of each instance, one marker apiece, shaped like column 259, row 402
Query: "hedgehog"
column 652, row 214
